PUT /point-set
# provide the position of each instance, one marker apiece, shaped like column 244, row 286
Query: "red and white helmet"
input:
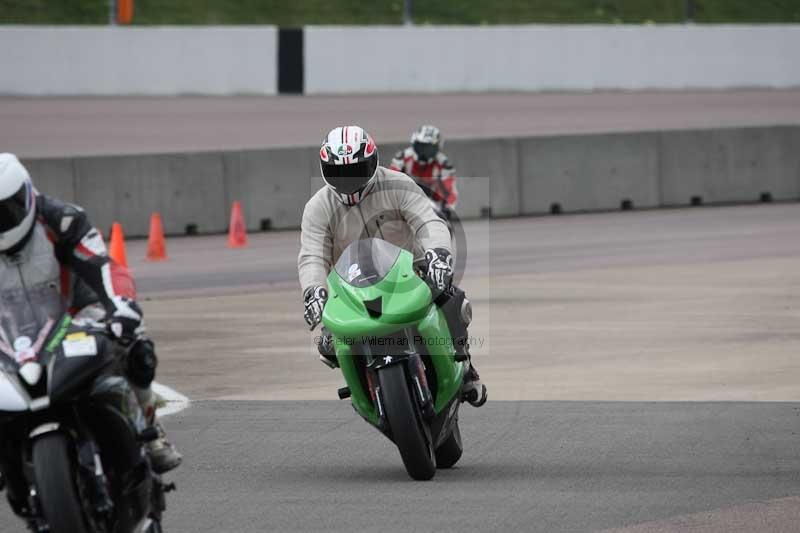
column 17, row 202
column 348, row 160
column 426, row 141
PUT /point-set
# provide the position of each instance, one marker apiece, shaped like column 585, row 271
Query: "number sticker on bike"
column 79, row 345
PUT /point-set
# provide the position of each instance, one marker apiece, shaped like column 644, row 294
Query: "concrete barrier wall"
column 184, row 188
column 272, row 185
column 589, row 172
column 549, row 57
column 521, row 177
column 499, row 161
column 40, row 60
column 729, row 165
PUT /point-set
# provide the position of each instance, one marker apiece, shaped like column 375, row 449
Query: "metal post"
column 689, row 11
column 112, row 12
column 408, row 12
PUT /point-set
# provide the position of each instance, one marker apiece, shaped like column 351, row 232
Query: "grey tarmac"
column 643, row 371
column 527, row 466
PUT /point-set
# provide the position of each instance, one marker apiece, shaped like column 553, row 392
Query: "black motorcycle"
column 72, row 434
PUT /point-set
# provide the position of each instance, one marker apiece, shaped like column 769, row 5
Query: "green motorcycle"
column 396, row 353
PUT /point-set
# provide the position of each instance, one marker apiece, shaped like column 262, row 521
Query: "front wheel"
column 55, row 483
column 404, row 421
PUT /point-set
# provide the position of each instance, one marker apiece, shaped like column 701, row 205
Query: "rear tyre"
column 55, row 483
column 449, row 452
column 404, row 421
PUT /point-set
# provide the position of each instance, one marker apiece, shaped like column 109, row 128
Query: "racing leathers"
column 64, row 261
column 436, row 177
column 393, row 210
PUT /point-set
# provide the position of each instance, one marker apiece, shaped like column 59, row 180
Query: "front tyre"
column 55, row 483
column 449, row 452
column 404, row 421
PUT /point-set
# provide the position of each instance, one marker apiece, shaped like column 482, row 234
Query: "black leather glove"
column 314, row 299
column 125, row 322
column 439, row 268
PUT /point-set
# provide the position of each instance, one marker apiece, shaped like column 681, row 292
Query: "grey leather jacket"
column 395, row 210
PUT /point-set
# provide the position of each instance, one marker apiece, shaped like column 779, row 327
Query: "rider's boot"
column 473, row 390
column 458, row 312
column 163, row 455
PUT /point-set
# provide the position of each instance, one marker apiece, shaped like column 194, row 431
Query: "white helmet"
column 348, row 161
column 426, row 141
column 17, row 202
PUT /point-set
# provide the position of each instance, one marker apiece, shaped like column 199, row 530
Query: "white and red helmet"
column 17, row 202
column 426, row 141
column 348, row 160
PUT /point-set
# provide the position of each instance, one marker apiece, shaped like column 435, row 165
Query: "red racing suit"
column 437, row 178
column 87, row 274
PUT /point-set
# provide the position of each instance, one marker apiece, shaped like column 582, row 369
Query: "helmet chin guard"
column 356, row 197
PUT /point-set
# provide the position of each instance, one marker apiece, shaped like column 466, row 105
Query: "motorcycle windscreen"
column 367, row 261
column 27, row 315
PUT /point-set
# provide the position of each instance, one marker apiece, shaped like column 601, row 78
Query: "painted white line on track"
column 175, row 401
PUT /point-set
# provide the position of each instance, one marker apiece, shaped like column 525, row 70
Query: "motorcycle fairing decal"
column 25, row 350
column 79, row 345
column 48, row 326
column 353, row 272
column 59, row 334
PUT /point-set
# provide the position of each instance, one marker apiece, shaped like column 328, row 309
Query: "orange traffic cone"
column 156, row 246
column 117, row 245
column 237, row 233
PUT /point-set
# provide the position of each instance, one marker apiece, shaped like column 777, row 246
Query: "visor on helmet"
column 426, row 151
column 14, row 209
column 349, row 179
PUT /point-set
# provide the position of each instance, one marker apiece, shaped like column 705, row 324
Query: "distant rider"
column 50, row 246
column 362, row 200
column 426, row 163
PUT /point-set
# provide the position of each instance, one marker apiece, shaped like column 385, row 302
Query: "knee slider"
column 142, row 363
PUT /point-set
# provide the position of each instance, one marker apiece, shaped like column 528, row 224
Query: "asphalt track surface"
column 53, row 127
column 690, row 316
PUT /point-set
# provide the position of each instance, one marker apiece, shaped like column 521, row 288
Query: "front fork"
column 97, row 482
column 415, row 368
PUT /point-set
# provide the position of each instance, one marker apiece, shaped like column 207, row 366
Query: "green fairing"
column 406, row 303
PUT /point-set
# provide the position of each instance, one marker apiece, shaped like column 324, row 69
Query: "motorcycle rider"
column 361, row 199
column 431, row 169
column 51, row 246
